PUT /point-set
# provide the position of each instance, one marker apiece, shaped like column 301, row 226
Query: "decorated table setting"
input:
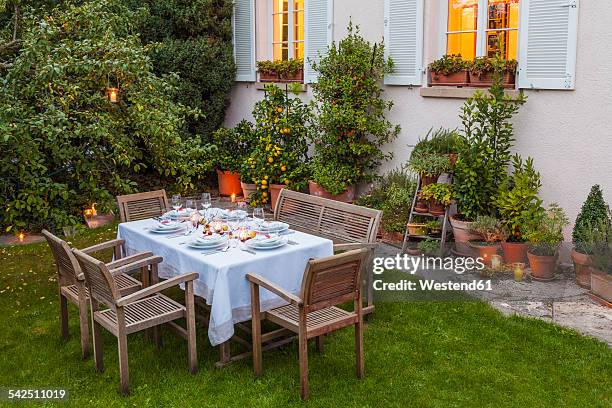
column 223, row 246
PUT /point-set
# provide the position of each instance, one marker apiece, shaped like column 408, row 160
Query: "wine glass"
column 206, row 203
column 176, row 202
column 190, row 205
column 259, row 214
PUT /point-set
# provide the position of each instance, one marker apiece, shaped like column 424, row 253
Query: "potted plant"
column 519, row 207
column 601, row 275
column 416, row 228
column 492, row 232
column 445, row 142
column 585, row 234
column 439, row 196
column 291, row 70
column 232, row 147
column 434, row 227
column 544, row 238
column 483, row 69
column 430, row 247
column 350, row 125
column 450, row 70
column 429, row 166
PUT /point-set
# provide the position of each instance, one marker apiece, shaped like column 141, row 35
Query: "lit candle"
column 496, row 261
column 112, row 94
column 21, row 236
column 233, row 197
column 518, row 271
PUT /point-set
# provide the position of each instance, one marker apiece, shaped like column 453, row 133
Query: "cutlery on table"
column 290, row 242
column 250, row 251
column 216, row 251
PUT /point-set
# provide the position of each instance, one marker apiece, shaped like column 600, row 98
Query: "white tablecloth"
column 222, row 279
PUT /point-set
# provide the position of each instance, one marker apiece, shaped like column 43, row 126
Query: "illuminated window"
column 468, row 36
column 287, row 29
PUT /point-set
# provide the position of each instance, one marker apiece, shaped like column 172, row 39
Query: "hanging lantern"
column 112, row 94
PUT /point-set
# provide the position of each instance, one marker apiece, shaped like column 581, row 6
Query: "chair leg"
column 256, row 329
column 191, row 328
column 124, row 372
column 63, row 316
column 303, row 348
column 84, row 326
column 359, row 348
column 97, row 338
column 320, row 343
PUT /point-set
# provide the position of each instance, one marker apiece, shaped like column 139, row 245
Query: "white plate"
column 234, row 215
column 177, row 214
column 254, row 245
column 272, row 227
column 196, row 245
column 166, row 230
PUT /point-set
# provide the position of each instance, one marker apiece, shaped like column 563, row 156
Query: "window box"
column 276, row 77
column 485, row 80
column 268, row 77
column 460, row 78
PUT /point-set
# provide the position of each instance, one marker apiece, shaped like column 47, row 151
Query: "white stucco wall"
column 568, row 133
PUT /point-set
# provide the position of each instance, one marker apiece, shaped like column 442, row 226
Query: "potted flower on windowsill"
column 232, row 148
column 450, row 70
column 492, row 232
column 544, row 239
column 585, row 235
column 483, row 69
column 439, row 197
column 291, row 70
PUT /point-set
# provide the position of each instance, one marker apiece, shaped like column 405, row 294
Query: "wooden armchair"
column 327, row 282
column 348, row 226
column 139, row 206
column 71, row 280
column 141, row 310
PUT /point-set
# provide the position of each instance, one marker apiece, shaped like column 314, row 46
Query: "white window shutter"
column 548, row 36
column 244, row 40
column 318, row 17
column 404, row 41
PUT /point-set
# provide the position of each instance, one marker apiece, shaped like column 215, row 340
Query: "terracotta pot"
column 485, row 80
column 229, row 183
column 601, row 285
column 582, row 267
column 542, row 267
column 247, row 190
column 417, row 229
column 392, row 236
column 427, row 180
column 421, row 206
column 297, row 77
column 463, row 235
column 346, row 197
column 436, row 208
column 461, row 78
column 486, row 252
column 268, row 77
column 274, row 192
column 514, row 252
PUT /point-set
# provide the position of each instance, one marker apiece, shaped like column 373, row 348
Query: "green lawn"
column 426, row 354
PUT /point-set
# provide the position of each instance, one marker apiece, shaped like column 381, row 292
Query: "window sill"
column 459, row 93
column 291, row 86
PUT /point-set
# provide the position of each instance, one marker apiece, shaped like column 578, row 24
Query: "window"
column 478, row 28
column 287, row 29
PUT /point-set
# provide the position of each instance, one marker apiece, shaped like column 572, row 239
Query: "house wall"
column 568, row 133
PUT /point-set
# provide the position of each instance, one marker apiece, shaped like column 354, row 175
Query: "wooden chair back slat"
column 102, row 286
column 340, row 222
column 67, row 266
column 333, row 280
column 134, row 207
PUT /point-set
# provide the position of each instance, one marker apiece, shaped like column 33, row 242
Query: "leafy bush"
column 547, row 233
column 602, row 248
column 350, row 121
column 193, row 38
column 233, row 146
column 440, row 192
column 485, row 150
column 392, row 194
column 427, row 163
column 490, row 228
column 594, row 212
column 448, row 64
column 64, row 144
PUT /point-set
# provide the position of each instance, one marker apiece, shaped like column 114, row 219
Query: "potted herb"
column 492, row 232
column 232, row 148
column 594, row 212
column 430, row 247
column 434, row 227
column 350, row 125
column 429, row 165
column 483, row 69
column 439, row 196
column 446, row 142
column 544, row 239
column 291, row 70
column 450, row 70
column 601, row 276
column 417, row 228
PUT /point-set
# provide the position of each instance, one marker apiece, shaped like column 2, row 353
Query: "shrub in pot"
column 585, row 235
column 544, row 238
column 601, row 276
column 439, row 196
column 232, row 148
column 483, row 69
column 519, row 207
column 350, row 124
column 492, row 232
column 450, row 70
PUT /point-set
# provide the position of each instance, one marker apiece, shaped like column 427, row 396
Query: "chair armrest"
column 277, row 290
column 358, row 245
column 152, row 260
column 158, row 287
column 129, row 259
column 105, row 245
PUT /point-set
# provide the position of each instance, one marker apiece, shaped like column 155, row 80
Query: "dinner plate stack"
column 166, row 227
column 208, row 242
column 266, row 242
column 272, row 227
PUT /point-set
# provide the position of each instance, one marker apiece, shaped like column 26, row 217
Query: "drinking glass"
column 259, row 214
column 206, row 203
column 176, row 202
column 190, row 205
